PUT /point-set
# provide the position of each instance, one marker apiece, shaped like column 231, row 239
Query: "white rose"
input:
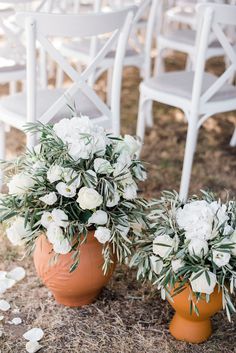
column 233, row 239
column 54, row 173
column 130, row 192
column 201, row 285
column 20, row 184
column 177, row 264
column 102, row 166
column 89, row 198
column 156, row 264
column 17, row 232
column 49, row 199
column 55, row 234
column 99, row 217
column 113, row 200
column 220, row 212
column 66, row 190
column 62, row 247
column 140, row 173
column 198, row 247
column 102, row 234
column 196, row 218
column 163, row 245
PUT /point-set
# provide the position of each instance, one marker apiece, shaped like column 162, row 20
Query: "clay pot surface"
column 80, row 287
column 191, row 327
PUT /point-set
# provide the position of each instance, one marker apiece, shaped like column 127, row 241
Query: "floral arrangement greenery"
column 190, row 243
column 77, row 178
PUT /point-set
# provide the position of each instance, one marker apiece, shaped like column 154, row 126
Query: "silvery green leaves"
column 190, row 243
column 77, row 178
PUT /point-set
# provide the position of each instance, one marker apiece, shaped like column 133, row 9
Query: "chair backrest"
column 213, row 21
column 154, row 25
column 71, row 6
column 39, row 28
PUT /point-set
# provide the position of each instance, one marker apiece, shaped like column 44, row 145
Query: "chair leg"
column 159, row 66
column 2, row 150
column 233, row 139
column 109, row 85
column 190, row 147
column 148, row 113
column 141, row 123
column 59, row 77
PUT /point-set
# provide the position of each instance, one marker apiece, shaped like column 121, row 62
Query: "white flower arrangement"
column 77, row 178
column 192, row 243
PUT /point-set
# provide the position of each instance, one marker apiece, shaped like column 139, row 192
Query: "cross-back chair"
column 48, row 104
column 198, row 93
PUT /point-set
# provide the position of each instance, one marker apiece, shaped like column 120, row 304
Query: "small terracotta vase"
column 82, row 286
column 190, row 327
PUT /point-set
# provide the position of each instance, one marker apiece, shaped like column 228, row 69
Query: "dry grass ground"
column 128, row 317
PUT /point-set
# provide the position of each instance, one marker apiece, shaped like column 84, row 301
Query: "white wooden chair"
column 183, row 39
column 51, row 104
column 83, row 51
column 199, row 94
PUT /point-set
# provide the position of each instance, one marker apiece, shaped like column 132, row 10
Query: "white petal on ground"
column 32, row 347
column 3, row 274
column 17, row 274
column 34, row 335
column 16, row 321
column 1, row 317
column 4, row 305
column 1, row 333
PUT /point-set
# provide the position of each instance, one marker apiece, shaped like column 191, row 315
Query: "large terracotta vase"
column 191, row 327
column 83, row 285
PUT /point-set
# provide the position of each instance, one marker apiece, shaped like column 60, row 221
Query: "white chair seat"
column 13, row 108
column 180, row 84
column 179, row 38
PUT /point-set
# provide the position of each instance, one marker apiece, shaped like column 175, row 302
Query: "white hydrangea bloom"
column 102, row 166
column 177, row 264
column 113, row 200
column 196, row 218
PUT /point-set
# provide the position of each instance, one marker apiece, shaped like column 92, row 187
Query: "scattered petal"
column 5, row 284
column 32, row 347
column 34, row 335
column 17, row 274
column 4, row 305
column 1, row 333
column 1, row 317
column 3, row 274
column 16, row 321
